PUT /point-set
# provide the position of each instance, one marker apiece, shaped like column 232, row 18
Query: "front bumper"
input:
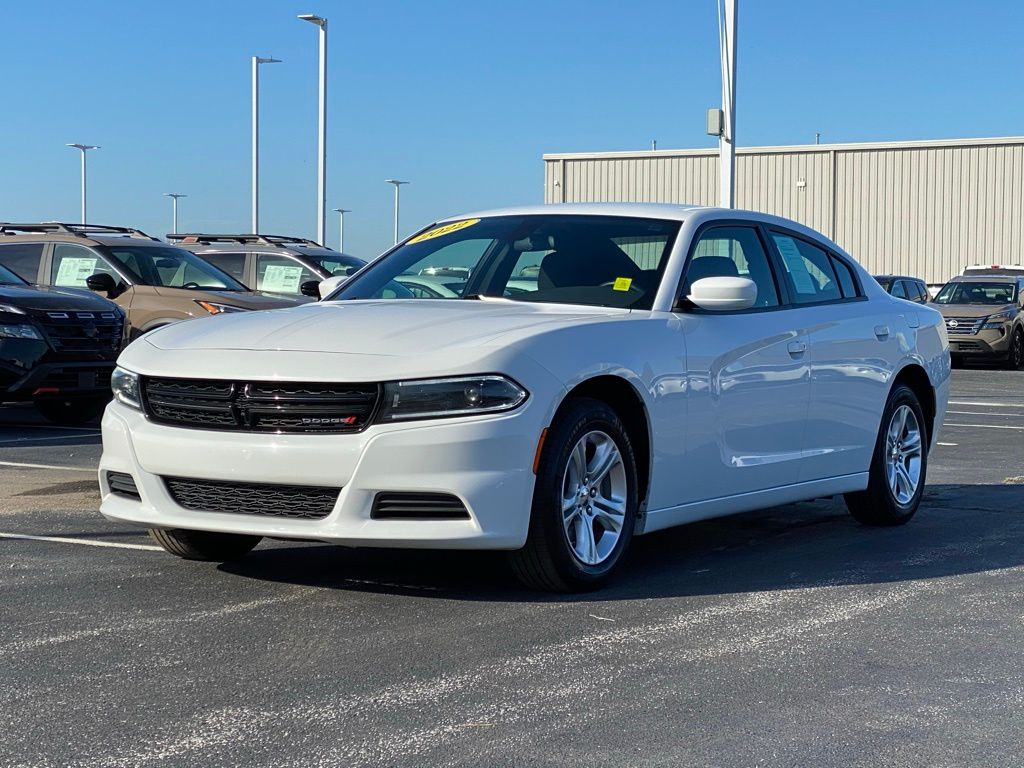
column 83, row 379
column 486, row 461
column 989, row 343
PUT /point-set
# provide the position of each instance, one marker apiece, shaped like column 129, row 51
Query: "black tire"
column 1015, row 359
column 71, row 411
column 878, row 505
column 204, row 545
column 547, row 561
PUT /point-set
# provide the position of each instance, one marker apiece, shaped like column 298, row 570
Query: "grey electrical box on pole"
column 715, row 122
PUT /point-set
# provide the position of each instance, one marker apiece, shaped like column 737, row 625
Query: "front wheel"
column 1015, row 360
column 204, row 545
column 72, row 411
column 899, row 465
column 584, row 502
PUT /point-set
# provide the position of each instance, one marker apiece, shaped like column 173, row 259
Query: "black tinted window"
column 232, row 263
column 22, row 259
column 845, row 276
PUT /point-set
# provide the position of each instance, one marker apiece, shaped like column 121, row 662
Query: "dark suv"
column 57, row 348
column 902, row 287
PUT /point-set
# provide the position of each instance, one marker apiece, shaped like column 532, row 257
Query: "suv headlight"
column 996, row 321
column 12, row 309
column 125, row 386
column 219, row 309
column 19, row 332
column 456, row 396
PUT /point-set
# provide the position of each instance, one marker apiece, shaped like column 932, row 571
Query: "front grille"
column 260, row 406
column 417, row 506
column 83, row 331
column 964, row 326
column 295, row 501
column 123, row 484
column 78, row 378
column 967, row 346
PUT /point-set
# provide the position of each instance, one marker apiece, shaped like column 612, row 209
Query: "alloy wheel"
column 594, row 493
column 903, row 454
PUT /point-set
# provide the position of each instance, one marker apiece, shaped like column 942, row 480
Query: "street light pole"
column 398, row 185
column 256, row 61
column 341, row 227
column 174, row 207
column 321, row 170
column 83, row 148
column 727, row 139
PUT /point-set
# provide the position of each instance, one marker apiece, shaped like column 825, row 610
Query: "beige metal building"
column 923, row 208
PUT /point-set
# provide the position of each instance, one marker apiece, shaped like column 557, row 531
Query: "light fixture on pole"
column 256, row 61
column 83, row 148
column 398, row 185
column 174, row 207
column 727, row 13
column 321, row 168
column 341, row 227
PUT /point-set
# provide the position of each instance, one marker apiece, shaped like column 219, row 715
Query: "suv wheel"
column 204, row 545
column 584, row 502
column 898, row 467
column 71, row 411
column 1015, row 359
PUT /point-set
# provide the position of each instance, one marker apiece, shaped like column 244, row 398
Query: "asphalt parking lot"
column 787, row 637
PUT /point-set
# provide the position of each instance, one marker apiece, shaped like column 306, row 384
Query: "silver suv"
column 983, row 316
column 289, row 266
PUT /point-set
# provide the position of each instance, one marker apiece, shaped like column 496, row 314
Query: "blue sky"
column 461, row 98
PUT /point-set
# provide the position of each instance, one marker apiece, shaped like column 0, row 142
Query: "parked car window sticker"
column 73, row 271
column 622, row 284
column 281, row 278
column 795, row 264
column 444, row 230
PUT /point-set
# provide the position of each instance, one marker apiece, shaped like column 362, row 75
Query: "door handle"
column 882, row 332
column 797, row 348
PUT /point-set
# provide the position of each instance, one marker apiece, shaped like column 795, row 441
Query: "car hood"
column 391, row 328
column 971, row 310
column 245, row 299
column 41, row 297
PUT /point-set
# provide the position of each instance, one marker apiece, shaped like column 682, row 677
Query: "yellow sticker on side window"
column 622, row 283
column 444, row 230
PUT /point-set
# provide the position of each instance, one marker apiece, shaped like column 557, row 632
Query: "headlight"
column 125, row 386
column 219, row 309
column 12, row 309
column 459, row 396
column 19, row 332
column 996, row 321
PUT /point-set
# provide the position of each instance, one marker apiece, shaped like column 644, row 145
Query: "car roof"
column 897, row 277
column 985, row 278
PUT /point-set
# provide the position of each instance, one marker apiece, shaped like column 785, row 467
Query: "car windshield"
column 9, row 278
column 334, row 264
column 607, row 261
column 971, row 292
column 170, row 267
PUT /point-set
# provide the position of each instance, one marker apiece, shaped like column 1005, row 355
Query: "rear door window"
column 845, row 276
column 72, row 264
column 808, row 270
column 22, row 259
column 281, row 274
column 899, row 290
column 232, row 263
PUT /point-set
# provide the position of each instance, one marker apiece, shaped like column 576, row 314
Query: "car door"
column 853, row 346
column 747, row 375
column 282, row 274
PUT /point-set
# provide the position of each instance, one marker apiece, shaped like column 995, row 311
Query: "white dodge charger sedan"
column 671, row 364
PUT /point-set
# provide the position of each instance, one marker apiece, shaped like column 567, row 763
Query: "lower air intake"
column 295, row 501
column 123, row 484
column 417, row 506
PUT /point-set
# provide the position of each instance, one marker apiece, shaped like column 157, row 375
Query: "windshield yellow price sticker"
column 447, row 229
column 622, row 283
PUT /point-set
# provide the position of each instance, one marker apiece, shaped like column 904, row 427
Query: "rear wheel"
column 204, row 545
column 73, row 410
column 1015, row 360
column 898, row 467
column 584, row 502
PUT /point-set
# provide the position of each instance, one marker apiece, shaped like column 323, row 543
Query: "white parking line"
column 83, row 542
column 980, row 402
column 985, row 413
column 27, row 465
column 55, row 437
column 982, row 426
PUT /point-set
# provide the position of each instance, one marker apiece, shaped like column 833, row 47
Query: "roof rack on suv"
column 200, row 237
column 78, row 230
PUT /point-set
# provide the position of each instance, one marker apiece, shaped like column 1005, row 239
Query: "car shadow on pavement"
column 959, row 529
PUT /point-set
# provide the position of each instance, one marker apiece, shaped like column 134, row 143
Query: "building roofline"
column 856, row 146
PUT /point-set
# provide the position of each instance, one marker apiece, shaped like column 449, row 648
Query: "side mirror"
column 310, row 288
column 102, row 283
column 328, row 286
column 724, row 294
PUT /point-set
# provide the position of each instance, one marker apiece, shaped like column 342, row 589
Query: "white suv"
column 670, row 364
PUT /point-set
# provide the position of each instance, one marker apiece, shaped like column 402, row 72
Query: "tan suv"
column 984, row 318
column 153, row 282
